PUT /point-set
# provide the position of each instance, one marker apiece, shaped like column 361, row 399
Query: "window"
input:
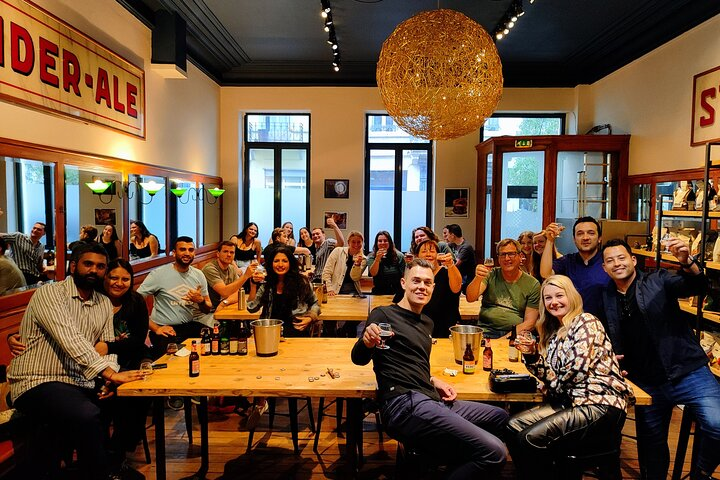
column 398, row 170
column 523, row 124
column 276, row 176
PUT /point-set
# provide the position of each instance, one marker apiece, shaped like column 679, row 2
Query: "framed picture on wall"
column 339, row 217
column 337, row 188
column 456, row 202
column 105, row 216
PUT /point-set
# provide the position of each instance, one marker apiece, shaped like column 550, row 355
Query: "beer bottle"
column 468, row 361
column 224, row 339
column 243, row 339
column 325, row 292
column 215, row 340
column 194, row 360
column 487, row 356
column 513, row 353
column 234, row 338
column 206, row 342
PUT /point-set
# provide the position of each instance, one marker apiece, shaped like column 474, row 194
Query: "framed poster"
column 456, row 202
column 337, row 188
column 105, row 216
column 339, row 217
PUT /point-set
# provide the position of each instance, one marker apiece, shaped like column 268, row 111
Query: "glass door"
column 523, row 179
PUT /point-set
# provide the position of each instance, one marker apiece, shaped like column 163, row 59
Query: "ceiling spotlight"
column 323, row 14
column 511, row 24
column 327, row 29
column 336, row 68
column 499, row 35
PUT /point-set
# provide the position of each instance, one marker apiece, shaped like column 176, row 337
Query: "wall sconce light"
column 107, row 187
column 98, row 187
column 198, row 193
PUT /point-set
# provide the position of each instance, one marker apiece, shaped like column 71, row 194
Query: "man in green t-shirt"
column 510, row 297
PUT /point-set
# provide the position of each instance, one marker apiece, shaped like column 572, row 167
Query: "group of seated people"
column 595, row 318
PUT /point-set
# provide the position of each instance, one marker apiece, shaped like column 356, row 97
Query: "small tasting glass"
column 489, row 262
column 146, row 368
column 385, row 334
column 172, row 348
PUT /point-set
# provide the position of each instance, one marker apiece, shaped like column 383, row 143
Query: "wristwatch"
column 225, row 302
column 690, row 263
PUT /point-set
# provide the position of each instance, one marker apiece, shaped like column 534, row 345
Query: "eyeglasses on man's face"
column 508, row 254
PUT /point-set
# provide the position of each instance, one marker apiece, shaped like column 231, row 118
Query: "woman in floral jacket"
column 587, row 395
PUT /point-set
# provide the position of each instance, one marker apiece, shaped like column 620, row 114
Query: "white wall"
column 182, row 115
column 651, row 99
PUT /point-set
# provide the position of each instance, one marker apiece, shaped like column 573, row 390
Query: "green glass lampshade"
column 152, row 187
column 98, row 187
column 216, row 192
column 178, row 192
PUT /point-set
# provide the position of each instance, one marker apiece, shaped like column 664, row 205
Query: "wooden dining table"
column 288, row 375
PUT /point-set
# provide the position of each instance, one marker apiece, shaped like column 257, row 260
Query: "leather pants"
column 541, row 435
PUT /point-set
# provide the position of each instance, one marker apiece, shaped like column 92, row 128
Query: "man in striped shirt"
column 27, row 251
column 53, row 379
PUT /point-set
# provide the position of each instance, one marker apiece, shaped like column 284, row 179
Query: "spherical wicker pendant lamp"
column 439, row 75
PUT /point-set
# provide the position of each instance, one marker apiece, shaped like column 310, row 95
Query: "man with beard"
column 53, row 379
column 584, row 268
column 182, row 305
column 661, row 354
column 417, row 407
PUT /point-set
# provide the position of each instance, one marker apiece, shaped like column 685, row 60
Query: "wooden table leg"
column 202, row 410
column 293, row 412
column 159, row 420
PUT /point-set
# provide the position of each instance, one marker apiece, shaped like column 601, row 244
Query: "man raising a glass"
column 416, row 407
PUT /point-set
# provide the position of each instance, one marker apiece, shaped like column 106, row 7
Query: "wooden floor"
column 272, row 455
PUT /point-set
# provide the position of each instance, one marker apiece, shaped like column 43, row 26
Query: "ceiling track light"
column 329, row 28
column 509, row 20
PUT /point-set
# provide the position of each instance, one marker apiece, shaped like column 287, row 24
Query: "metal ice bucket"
column 266, row 333
column 461, row 335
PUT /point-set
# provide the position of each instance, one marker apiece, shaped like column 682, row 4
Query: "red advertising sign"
column 706, row 107
column 47, row 64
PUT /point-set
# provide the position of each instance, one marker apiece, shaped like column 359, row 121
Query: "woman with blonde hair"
column 587, row 394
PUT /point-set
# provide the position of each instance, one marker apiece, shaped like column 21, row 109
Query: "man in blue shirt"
column 584, row 268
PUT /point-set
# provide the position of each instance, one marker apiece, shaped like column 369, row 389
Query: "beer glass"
column 385, row 334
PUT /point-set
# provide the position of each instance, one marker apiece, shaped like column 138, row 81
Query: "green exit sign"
column 523, row 143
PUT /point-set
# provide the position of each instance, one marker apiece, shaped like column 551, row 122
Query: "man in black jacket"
column 421, row 409
column 661, row 354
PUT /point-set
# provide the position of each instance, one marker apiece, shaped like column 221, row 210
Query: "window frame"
column 277, row 148
column 397, row 233
column 560, row 115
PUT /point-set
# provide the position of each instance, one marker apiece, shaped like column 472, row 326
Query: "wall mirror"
column 27, row 196
column 147, row 204
column 184, row 218
column 49, row 185
column 211, row 213
column 85, row 208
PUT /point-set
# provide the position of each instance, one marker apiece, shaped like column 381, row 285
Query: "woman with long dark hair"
column 307, row 241
column 247, row 245
column 386, row 265
column 588, row 394
column 110, row 241
column 285, row 295
column 143, row 244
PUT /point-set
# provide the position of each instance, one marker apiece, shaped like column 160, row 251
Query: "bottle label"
column 469, row 367
column 242, row 347
column 487, row 361
column 195, row 367
column 206, row 348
